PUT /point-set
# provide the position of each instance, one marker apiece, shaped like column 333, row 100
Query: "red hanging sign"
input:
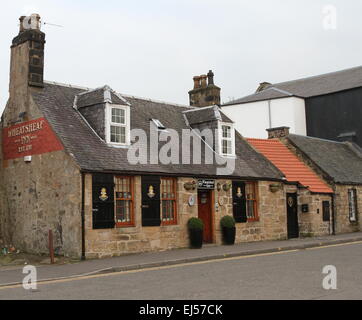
column 29, row 138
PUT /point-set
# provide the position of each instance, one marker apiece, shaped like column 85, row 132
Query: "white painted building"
column 253, row 118
column 316, row 106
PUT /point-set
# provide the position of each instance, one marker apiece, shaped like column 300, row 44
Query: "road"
column 295, row 274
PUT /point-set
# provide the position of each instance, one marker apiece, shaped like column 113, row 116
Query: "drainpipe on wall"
column 334, row 213
column 83, row 218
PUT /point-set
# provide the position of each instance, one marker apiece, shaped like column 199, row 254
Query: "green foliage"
column 195, row 223
column 227, row 222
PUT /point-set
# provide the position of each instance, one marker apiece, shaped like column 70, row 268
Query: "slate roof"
column 287, row 162
column 308, row 87
column 341, row 161
column 206, row 114
column 97, row 96
column 93, row 154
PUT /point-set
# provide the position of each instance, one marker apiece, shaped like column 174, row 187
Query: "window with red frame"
column 251, row 201
column 124, row 201
column 168, row 201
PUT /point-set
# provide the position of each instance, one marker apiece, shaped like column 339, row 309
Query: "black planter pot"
column 228, row 235
column 196, row 238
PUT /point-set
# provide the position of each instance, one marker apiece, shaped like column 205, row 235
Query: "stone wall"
column 343, row 224
column 311, row 223
column 118, row 241
column 39, row 196
column 271, row 211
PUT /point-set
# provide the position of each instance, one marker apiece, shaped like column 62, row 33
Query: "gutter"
column 184, row 175
column 334, row 211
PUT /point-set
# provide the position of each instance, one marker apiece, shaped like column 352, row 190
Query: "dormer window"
column 226, row 139
column 118, row 125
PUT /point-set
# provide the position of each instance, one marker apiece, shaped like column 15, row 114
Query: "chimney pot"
column 210, row 78
column 278, row 132
column 31, row 22
column 196, row 82
column 203, row 81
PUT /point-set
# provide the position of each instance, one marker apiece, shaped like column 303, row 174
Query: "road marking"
column 44, row 282
column 334, row 245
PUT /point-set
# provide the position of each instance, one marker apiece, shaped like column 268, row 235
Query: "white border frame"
column 232, row 129
column 108, row 114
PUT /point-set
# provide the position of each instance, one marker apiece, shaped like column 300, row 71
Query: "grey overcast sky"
column 154, row 48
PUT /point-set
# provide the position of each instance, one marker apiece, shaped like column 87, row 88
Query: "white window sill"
column 230, row 156
column 118, row 146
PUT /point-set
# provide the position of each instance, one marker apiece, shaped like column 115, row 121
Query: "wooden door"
column 151, row 201
column 205, row 213
column 103, row 201
column 326, row 211
column 292, row 215
column 239, row 201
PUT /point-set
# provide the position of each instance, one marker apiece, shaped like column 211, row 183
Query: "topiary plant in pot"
column 228, row 229
column 196, row 228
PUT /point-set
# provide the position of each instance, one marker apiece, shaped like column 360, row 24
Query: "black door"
column 326, row 211
column 151, row 201
column 103, row 201
column 239, row 201
column 292, row 215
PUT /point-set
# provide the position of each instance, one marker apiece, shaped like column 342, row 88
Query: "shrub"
column 195, row 223
column 227, row 222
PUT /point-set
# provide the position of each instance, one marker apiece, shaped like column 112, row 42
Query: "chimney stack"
column 204, row 93
column 27, row 55
column 263, row 86
column 278, row 132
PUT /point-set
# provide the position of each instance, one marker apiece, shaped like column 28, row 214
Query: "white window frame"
column 232, row 138
column 109, row 123
column 352, row 205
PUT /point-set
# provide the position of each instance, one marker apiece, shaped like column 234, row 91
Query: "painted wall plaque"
column 29, row 138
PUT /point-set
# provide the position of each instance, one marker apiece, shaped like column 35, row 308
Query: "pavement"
column 14, row 275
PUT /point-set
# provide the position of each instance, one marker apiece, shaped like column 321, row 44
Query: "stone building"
column 112, row 174
column 309, row 197
column 340, row 165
